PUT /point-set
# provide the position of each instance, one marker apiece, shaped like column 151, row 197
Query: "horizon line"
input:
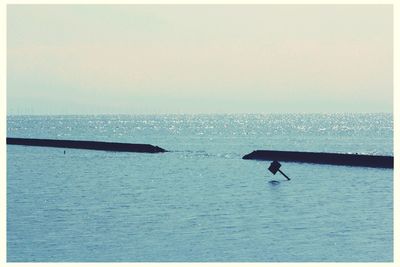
column 200, row 113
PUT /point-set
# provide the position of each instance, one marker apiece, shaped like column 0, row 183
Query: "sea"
column 200, row 201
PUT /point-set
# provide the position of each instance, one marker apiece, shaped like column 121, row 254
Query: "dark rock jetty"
column 94, row 145
column 323, row 158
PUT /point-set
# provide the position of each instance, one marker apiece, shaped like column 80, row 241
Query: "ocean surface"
column 200, row 202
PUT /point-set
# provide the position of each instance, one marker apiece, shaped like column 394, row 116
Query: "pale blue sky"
column 87, row 59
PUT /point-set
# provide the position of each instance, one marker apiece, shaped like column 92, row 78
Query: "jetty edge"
column 359, row 160
column 93, row 145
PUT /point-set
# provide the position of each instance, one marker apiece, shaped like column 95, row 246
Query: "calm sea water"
column 201, row 201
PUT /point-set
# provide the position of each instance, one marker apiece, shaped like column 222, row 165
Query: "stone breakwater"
column 93, row 145
column 323, row 158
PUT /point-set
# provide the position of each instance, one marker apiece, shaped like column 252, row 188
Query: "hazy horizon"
column 199, row 59
column 199, row 114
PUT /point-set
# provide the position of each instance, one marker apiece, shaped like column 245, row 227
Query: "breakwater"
column 93, row 145
column 323, row 158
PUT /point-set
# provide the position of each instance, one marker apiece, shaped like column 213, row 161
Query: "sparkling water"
column 201, row 201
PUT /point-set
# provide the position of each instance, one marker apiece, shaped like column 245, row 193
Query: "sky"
column 159, row 59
